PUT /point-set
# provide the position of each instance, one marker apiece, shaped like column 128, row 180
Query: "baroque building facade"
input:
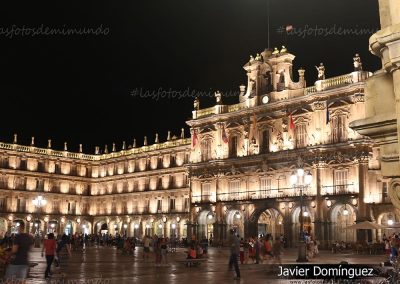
column 234, row 172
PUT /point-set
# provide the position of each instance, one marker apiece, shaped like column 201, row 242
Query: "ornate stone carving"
column 318, row 105
column 394, row 192
column 358, row 98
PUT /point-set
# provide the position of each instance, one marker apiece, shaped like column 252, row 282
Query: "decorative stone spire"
column 145, row 141
column 15, row 139
column 33, row 141
column 123, row 145
column 169, row 135
column 49, row 143
column 96, row 150
column 80, row 148
column 156, row 140
column 182, row 133
column 113, row 147
column 106, row 149
column 134, row 143
column 65, row 146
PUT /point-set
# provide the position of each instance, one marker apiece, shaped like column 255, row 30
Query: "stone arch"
column 383, row 219
column 69, row 227
column 270, row 221
column 85, row 227
column 205, row 220
column 340, row 220
column 235, row 220
column 308, row 222
column 100, row 226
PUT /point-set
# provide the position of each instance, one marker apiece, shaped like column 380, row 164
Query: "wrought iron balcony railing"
column 349, row 188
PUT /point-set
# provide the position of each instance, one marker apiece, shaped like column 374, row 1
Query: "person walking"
column 277, row 249
column 235, row 248
column 49, row 247
column 18, row 267
column 163, row 250
column 146, row 247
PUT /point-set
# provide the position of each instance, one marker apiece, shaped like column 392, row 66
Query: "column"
column 362, row 187
column 319, row 202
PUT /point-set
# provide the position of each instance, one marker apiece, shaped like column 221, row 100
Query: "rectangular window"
column 159, row 205
column 265, row 142
column 341, row 181
column 172, row 204
column 206, row 150
column 3, row 205
column 56, row 206
column 265, row 188
column 205, row 191
column 234, row 189
column 338, row 129
column 233, row 146
column 186, row 203
column 385, row 192
column 301, row 135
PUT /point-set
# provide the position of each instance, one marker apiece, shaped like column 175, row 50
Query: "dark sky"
column 77, row 88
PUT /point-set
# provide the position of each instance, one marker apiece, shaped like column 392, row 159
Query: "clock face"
column 265, row 99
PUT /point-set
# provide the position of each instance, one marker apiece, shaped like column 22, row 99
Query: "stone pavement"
column 108, row 264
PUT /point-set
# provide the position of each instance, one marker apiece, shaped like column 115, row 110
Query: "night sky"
column 78, row 88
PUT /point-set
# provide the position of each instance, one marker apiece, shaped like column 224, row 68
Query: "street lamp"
column 38, row 202
column 301, row 180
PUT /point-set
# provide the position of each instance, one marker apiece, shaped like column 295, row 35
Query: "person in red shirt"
column 49, row 246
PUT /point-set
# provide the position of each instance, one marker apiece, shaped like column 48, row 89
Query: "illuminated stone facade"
column 233, row 173
column 243, row 182
column 131, row 191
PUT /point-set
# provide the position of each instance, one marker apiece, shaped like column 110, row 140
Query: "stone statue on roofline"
column 196, row 104
column 218, row 99
column 357, row 62
column 321, row 71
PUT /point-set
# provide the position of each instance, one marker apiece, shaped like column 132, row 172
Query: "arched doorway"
column 270, row 222
column 206, row 222
column 52, row 226
column 308, row 222
column 85, row 227
column 342, row 216
column 15, row 225
column 234, row 220
column 69, row 228
column 389, row 219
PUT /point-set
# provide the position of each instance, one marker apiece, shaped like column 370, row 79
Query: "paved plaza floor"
column 108, row 265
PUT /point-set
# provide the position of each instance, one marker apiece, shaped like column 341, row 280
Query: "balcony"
column 350, row 188
column 249, row 195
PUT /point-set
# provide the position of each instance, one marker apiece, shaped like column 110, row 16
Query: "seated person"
column 192, row 253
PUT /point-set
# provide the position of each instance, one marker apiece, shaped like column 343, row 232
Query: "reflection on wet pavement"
column 108, row 265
